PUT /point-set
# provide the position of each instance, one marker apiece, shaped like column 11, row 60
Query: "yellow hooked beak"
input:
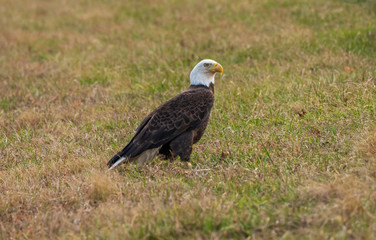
column 217, row 68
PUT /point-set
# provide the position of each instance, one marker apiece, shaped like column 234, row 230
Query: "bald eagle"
column 177, row 124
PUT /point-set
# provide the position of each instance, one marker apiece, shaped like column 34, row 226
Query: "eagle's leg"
column 182, row 146
column 166, row 152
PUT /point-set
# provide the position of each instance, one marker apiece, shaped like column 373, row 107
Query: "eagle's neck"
column 211, row 87
column 201, row 78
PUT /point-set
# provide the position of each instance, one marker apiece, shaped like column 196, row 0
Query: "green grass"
column 289, row 151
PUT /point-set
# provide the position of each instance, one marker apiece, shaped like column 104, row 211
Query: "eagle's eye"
column 206, row 65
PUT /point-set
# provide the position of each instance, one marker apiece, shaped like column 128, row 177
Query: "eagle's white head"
column 203, row 73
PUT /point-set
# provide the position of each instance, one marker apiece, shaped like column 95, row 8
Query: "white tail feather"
column 140, row 160
column 117, row 162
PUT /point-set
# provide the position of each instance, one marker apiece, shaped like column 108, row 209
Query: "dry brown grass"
column 348, row 197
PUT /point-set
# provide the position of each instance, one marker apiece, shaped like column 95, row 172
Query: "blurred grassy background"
column 289, row 151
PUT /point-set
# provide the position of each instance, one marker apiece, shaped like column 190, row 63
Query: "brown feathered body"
column 171, row 129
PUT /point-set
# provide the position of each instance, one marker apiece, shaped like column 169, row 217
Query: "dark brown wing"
column 184, row 112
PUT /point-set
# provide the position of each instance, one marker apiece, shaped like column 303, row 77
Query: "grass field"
column 290, row 150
